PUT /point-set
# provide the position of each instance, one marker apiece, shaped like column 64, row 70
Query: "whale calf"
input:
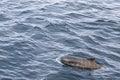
column 88, row 63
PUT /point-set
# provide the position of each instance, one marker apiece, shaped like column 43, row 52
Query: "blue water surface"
column 35, row 33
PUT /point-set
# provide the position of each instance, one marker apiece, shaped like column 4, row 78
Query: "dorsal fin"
column 91, row 59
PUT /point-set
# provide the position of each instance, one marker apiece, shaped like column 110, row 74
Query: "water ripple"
column 33, row 34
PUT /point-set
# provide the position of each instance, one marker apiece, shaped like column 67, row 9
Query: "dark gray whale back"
column 88, row 63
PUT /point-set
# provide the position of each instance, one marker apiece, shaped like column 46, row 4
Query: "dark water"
column 34, row 33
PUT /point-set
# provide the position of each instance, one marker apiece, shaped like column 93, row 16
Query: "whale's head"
column 69, row 60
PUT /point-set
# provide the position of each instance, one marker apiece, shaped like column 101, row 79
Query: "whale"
column 87, row 63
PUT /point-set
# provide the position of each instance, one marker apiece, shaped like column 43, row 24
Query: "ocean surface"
column 34, row 34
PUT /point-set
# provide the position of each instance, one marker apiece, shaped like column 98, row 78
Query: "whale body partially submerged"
column 88, row 63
